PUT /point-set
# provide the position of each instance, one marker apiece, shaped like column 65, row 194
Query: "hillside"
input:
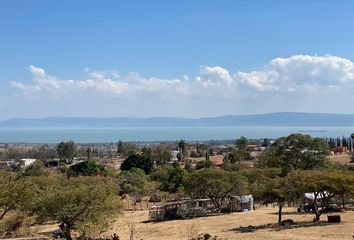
column 269, row 119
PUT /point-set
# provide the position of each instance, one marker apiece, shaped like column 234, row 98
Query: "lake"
column 101, row 135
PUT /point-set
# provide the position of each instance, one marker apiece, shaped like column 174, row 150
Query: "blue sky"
column 76, row 58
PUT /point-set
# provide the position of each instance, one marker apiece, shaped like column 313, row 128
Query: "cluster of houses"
column 218, row 155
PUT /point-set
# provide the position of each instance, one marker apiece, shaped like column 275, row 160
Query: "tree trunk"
column 6, row 210
column 66, row 229
column 343, row 201
column 68, row 234
column 315, row 208
column 317, row 213
column 280, row 211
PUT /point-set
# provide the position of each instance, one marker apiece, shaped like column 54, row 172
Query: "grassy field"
column 231, row 226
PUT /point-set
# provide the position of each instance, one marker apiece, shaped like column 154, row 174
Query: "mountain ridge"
column 281, row 119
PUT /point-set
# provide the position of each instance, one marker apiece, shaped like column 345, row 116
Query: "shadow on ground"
column 276, row 227
column 289, row 213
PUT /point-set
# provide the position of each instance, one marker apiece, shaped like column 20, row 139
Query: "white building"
column 27, row 161
column 174, row 155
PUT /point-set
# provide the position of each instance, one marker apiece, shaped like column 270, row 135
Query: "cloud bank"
column 296, row 83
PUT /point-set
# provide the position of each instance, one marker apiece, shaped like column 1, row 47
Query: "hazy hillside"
column 271, row 119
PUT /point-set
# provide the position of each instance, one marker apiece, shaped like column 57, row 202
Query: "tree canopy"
column 66, row 150
column 132, row 181
column 215, row 184
column 78, row 203
column 296, row 151
column 241, row 143
column 144, row 162
column 15, row 193
column 170, row 178
column 87, row 168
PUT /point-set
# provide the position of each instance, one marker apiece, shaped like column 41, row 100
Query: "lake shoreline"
column 160, row 134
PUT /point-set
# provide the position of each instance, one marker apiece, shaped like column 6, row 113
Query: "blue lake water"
column 101, row 135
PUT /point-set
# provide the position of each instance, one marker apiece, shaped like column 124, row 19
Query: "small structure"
column 181, row 209
column 52, row 163
column 4, row 164
column 340, row 150
column 217, row 164
column 199, row 207
column 246, row 203
column 174, row 155
column 333, row 218
column 238, row 204
column 309, row 197
column 252, row 147
column 27, row 161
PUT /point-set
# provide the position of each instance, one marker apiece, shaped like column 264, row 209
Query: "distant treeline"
column 340, row 142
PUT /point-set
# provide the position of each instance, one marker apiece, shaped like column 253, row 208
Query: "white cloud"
column 300, row 72
column 214, row 75
column 281, row 85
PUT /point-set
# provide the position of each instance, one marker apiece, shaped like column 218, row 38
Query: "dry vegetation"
column 233, row 226
column 343, row 159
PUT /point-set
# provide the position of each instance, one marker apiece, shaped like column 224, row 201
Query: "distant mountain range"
column 270, row 119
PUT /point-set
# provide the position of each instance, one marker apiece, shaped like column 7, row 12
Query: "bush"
column 87, row 168
column 16, row 224
column 143, row 162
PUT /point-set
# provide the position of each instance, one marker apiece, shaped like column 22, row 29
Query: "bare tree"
column 130, row 225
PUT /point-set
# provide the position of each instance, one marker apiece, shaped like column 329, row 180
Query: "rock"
column 206, row 236
column 115, row 237
column 287, row 222
column 249, row 228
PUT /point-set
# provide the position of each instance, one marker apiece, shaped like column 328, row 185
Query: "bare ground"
column 233, row 226
column 343, row 159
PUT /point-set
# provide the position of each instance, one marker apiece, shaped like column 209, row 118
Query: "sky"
column 175, row 58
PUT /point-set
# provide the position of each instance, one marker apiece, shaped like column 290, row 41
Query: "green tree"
column 239, row 184
column 318, row 183
column 88, row 153
column 173, row 179
column 209, row 183
column 215, row 184
column 276, row 190
column 66, row 151
column 144, row 162
column 161, row 155
column 344, row 181
column 208, row 162
column 259, row 174
column 126, row 148
column 241, row 143
column 182, row 147
column 266, row 142
column 132, row 182
column 15, row 193
column 296, row 151
column 78, row 203
column 232, row 157
column 87, row 168
column 257, row 179
column 120, row 148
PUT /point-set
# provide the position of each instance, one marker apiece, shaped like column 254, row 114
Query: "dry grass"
column 343, row 159
column 230, row 227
